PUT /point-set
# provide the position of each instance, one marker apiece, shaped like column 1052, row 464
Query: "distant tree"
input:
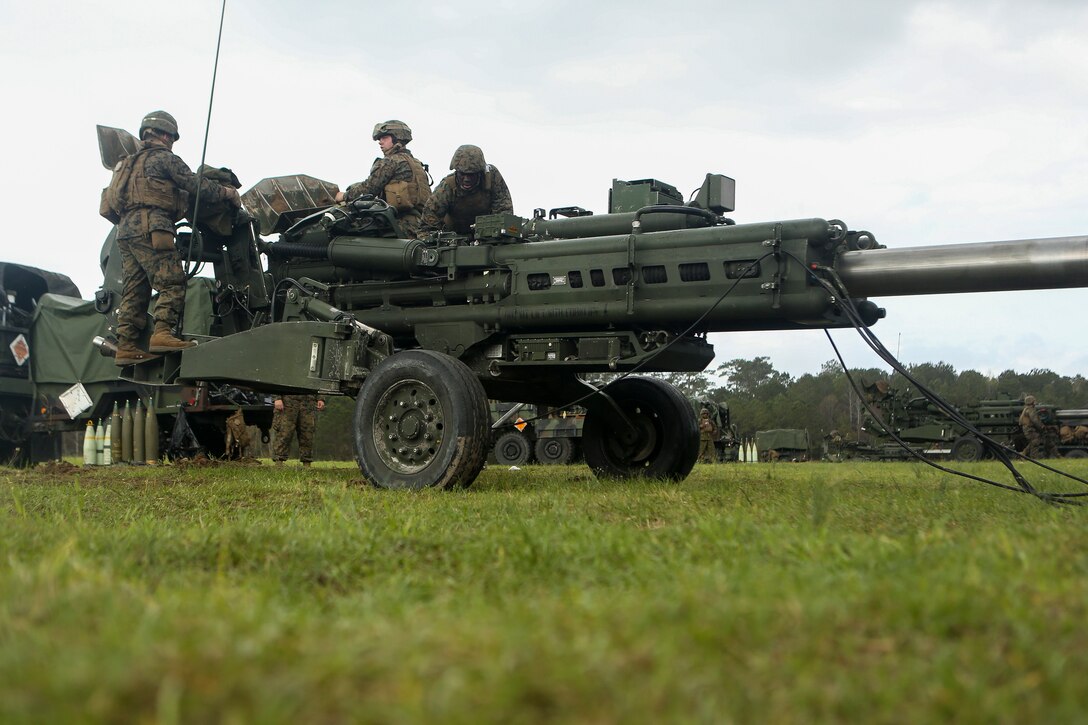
column 971, row 387
column 693, row 385
column 754, row 378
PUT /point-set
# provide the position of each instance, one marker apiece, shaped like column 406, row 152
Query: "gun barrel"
column 1021, row 264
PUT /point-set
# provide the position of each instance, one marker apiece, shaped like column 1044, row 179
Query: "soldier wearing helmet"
column 152, row 188
column 473, row 189
column 708, row 433
column 1040, row 441
column 398, row 177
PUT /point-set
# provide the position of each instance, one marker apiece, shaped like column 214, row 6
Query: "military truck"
column 53, row 380
column 532, row 434
column 551, row 436
column 782, row 444
column 422, row 332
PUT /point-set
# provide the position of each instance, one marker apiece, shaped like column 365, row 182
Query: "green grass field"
column 748, row 593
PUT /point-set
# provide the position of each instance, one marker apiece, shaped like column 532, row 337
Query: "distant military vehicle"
column 782, row 444
column 550, row 436
column 533, row 434
column 421, row 332
column 931, row 432
column 53, row 380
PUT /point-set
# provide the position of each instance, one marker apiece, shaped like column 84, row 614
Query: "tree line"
column 762, row 398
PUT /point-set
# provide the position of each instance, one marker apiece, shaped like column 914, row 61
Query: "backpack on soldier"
column 115, row 196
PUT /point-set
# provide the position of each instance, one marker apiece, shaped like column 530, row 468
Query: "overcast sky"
column 923, row 122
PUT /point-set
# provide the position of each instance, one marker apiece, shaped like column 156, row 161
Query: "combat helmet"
column 1029, row 400
column 399, row 130
column 468, row 159
column 160, row 121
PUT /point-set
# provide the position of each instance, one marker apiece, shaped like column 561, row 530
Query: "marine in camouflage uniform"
column 708, row 432
column 295, row 414
column 1042, row 443
column 398, row 177
column 473, row 189
column 155, row 196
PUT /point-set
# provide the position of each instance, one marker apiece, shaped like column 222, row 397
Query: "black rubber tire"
column 421, row 420
column 513, row 449
column 967, row 448
column 668, row 441
column 1076, row 453
column 554, row 451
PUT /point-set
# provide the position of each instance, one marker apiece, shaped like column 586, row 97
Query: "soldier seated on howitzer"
column 475, row 188
column 398, row 177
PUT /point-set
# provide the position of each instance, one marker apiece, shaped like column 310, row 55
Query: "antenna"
column 204, row 150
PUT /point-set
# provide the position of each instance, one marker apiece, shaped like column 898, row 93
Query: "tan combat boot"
column 164, row 341
column 129, row 354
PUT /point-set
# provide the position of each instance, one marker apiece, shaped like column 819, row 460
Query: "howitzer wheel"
column 967, row 448
column 667, row 440
column 554, row 451
column 421, row 420
column 513, row 449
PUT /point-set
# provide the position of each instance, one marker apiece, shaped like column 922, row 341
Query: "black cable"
column 999, row 451
column 838, row 292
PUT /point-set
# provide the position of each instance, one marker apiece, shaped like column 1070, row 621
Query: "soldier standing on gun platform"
column 295, row 414
column 398, row 177
column 149, row 193
column 475, row 188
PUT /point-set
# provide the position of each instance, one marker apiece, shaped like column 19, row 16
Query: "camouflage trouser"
column 1036, row 447
column 143, row 267
column 298, row 416
column 707, row 454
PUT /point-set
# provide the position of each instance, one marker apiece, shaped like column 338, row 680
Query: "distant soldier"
column 150, row 192
column 295, row 414
column 708, row 433
column 1042, row 443
column 398, row 177
column 475, row 188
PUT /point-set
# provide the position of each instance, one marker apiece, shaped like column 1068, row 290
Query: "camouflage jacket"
column 452, row 209
column 396, row 165
column 1030, row 419
column 166, row 169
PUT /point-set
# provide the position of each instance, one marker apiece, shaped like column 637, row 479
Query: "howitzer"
column 422, row 331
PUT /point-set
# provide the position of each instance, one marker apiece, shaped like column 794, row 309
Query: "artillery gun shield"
column 280, row 201
column 115, row 144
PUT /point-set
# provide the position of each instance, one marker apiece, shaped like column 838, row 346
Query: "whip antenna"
column 204, row 150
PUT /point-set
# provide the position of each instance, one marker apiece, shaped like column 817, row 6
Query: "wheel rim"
column 407, row 426
column 512, row 449
column 640, row 453
column 552, row 449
